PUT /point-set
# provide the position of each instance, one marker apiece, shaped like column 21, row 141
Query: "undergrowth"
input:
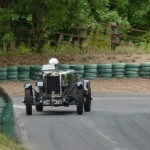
column 88, row 47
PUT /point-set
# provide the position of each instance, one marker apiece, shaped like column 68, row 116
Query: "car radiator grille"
column 52, row 84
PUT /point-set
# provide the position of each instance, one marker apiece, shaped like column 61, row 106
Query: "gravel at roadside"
column 137, row 85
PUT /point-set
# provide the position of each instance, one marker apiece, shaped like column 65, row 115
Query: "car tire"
column 28, row 101
column 39, row 107
column 87, row 104
column 80, row 101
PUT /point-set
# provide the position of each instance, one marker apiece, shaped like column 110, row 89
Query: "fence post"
column 61, row 37
column 81, row 38
column 114, row 36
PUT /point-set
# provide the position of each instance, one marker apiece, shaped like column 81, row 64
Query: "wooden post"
column 114, row 36
column 81, row 38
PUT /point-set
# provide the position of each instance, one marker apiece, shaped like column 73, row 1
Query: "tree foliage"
column 33, row 21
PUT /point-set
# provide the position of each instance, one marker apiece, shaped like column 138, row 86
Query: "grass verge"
column 6, row 144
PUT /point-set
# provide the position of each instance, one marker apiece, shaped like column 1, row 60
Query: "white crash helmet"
column 54, row 61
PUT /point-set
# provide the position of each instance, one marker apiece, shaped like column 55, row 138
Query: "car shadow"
column 58, row 112
column 55, row 112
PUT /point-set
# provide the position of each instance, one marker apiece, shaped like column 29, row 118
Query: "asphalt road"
column 116, row 122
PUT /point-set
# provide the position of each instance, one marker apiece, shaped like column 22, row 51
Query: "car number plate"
column 57, row 102
column 39, row 83
column 46, row 102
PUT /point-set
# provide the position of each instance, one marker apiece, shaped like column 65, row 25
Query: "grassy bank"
column 6, row 144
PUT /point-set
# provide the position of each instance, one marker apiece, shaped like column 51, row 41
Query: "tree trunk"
column 37, row 32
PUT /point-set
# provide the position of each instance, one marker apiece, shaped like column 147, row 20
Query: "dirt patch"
column 125, row 85
column 138, row 85
column 34, row 59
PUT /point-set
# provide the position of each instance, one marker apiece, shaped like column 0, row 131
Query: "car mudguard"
column 79, row 85
column 28, row 86
column 86, row 84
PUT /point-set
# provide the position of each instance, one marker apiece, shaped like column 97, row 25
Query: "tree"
column 139, row 14
column 35, row 21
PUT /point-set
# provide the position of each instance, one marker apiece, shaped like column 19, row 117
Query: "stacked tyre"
column 63, row 67
column 12, row 73
column 90, row 71
column 79, row 69
column 118, row 70
column 3, row 74
column 34, row 71
column 104, row 71
column 144, row 70
column 23, row 73
column 132, row 70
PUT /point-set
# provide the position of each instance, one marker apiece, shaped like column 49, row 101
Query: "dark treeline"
column 32, row 22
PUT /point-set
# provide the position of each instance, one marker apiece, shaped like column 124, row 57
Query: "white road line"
column 19, row 106
column 121, row 149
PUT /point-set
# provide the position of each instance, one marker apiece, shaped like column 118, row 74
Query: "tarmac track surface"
column 116, row 122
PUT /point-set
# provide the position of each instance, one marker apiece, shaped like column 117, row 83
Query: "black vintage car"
column 58, row 88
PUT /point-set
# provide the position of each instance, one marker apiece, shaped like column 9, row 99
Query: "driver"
column 54, row 61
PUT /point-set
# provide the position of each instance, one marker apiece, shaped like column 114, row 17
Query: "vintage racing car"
column 55, row 88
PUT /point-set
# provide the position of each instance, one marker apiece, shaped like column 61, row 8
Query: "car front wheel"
column 80, row 101
column 28, row 101
column 87, row 104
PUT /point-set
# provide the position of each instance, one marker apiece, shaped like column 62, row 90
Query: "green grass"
column 89, row 47
column 6, row 144
column 103, row 47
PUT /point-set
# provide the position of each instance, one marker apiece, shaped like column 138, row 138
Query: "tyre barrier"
column 104, row 71
column 63, row 66
column 79, row 69
column 34, row 71
column 144, row 71
column 12, row 73
column 118, row 70
column 23, row 73
column 3, row 74
column 90, row 71
column 7, row 123
column 132, row 70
